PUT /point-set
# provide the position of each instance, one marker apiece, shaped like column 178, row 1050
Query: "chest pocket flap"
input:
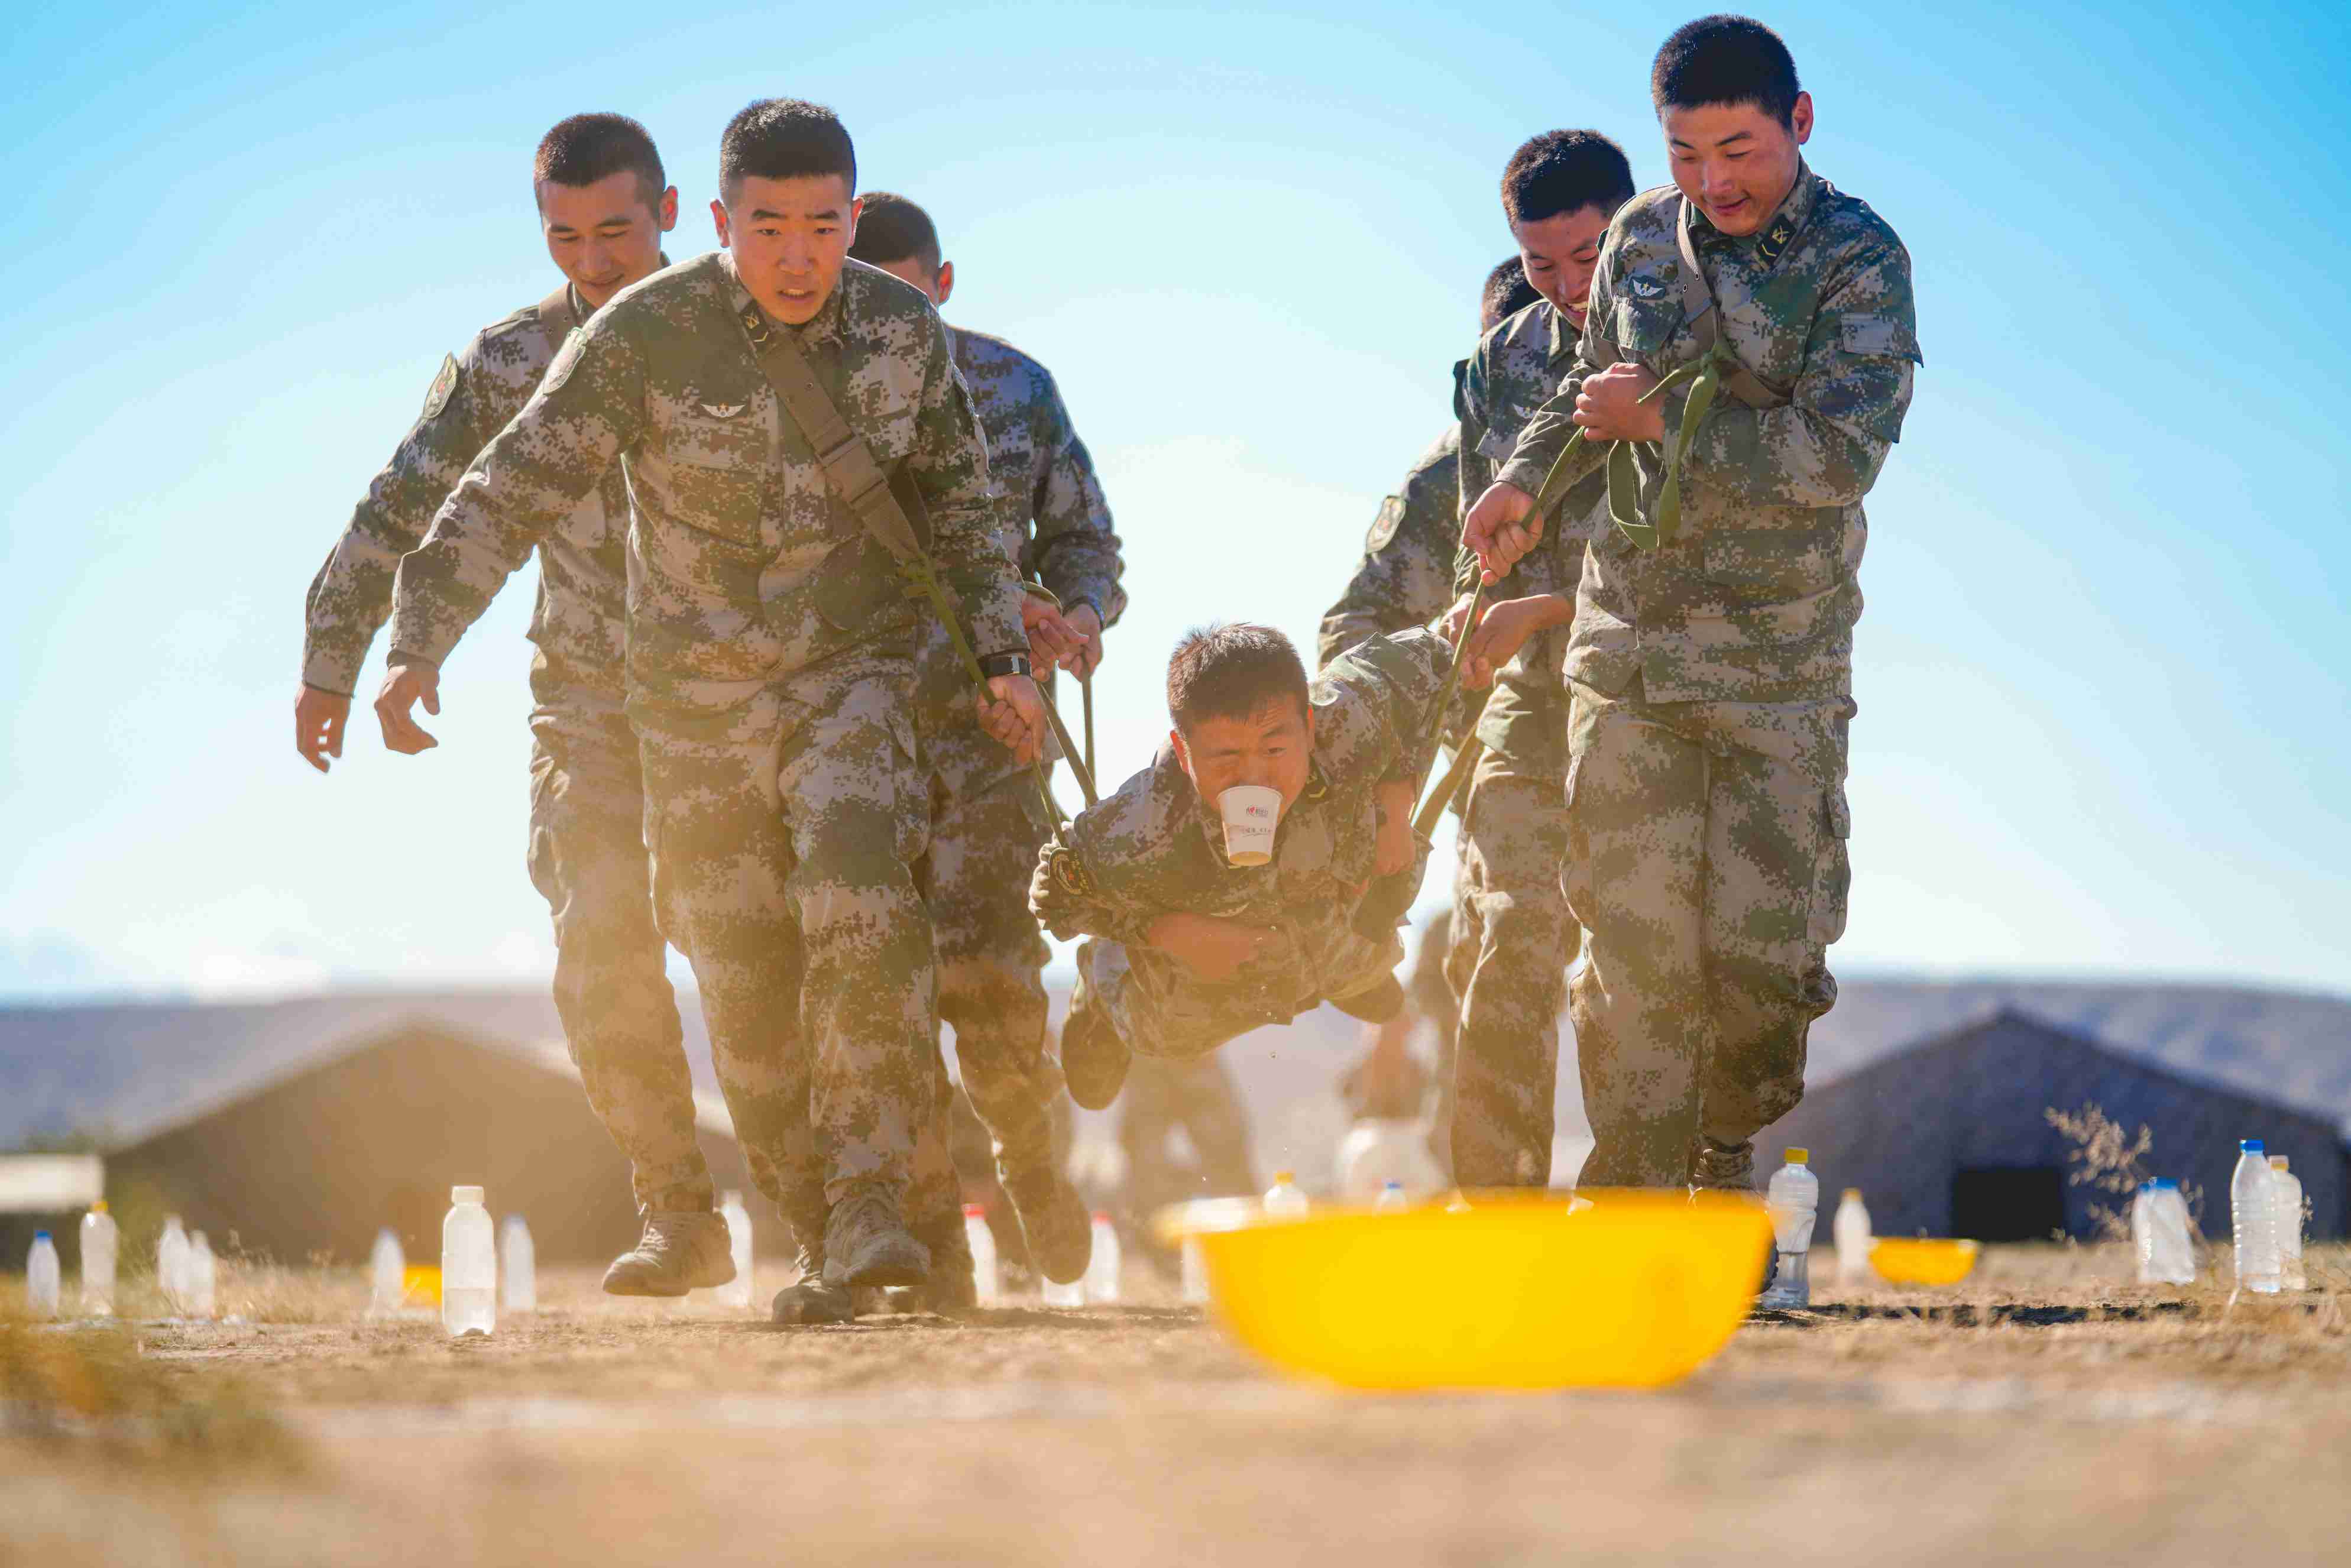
column 1878, row 338
column 1641, row 327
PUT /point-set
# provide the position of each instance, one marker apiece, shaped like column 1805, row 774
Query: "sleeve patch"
column 1069, row 872
column 444, row 385
column 1383, row 527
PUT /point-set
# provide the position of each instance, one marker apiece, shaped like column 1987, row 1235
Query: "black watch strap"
column 995, row 665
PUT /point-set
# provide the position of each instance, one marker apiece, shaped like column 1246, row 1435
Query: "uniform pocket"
column 1642, row 327
column 857, row 585
column 1831, row 871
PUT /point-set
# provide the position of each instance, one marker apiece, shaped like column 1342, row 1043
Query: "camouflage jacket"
column 1756, row 598
column 1518, row 366
column 1406, row 575
column 1053, row 522
column 581, row 615
column 1154, row 847
column 743, row 564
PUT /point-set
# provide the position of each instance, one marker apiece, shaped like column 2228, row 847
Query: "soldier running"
column 1711, row 654
column 769, row 669
column 603, row 204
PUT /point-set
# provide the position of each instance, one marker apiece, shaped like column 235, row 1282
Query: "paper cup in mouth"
column 1251, row 813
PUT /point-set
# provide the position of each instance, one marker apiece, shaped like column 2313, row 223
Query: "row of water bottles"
column 482, row 1269
column 187, row 1273
column 2265, row 1221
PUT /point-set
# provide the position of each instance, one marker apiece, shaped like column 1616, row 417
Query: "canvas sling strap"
column 866, row 489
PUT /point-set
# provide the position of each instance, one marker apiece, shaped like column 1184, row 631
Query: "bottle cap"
column 1391, row 1187
column 1284, row 1178
column 1853, row 1192
column 98, row 1207
column 2277, row 1163
column 40, row 1235
column 975, row 1211
column 2251, row 1145
column 2163, row 1184
column 1101, row 1218
column 733, row 1195
column 465, row 1195
column 1798, row 1156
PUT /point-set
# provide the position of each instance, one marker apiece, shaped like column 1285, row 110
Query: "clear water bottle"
column 517, row 1268
column 1393, row 1197
column 1378, row 1150
column 387, row 1274
column 1195, row 1273
column 2166, row 1254
column 41, row 1277
column 1103, row 1268
column 172, row 1265
column 2142, row 1230
column 987, row 1279
column 1284, row 1196
column 2252, row 1218
column 1851, row 1229
column 99, row 1242
column 738, row 1291
column 1793, row 1198
column 1072, row 1295
column 204, row 1277
column 2286, row 1200
column 469, row 1266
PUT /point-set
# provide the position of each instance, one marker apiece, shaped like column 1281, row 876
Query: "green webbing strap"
column 864, row 488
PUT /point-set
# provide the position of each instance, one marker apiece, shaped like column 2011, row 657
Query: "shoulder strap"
column 1704, row 322
column 848, row 464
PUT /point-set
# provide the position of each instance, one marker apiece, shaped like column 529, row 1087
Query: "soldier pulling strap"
column 868, row 492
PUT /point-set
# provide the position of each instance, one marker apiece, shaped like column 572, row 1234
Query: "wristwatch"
column 995, row 665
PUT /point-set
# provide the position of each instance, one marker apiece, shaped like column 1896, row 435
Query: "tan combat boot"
column 680, row 1252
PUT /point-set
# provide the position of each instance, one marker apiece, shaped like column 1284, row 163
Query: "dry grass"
column 91, row 1391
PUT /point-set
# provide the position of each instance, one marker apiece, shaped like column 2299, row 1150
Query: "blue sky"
column 2102, row 676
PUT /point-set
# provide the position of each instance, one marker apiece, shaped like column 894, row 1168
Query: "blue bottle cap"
column 40, row 1235
column 2163, row 1184
column 2251, row 1145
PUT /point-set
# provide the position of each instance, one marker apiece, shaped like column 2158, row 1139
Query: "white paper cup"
column 1251, row 813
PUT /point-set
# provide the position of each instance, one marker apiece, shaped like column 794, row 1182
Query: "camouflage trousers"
column 785, row 833
column 1160, row 1007
column 612, row 989
column 1200, row 1099
column 1509, row 941
column 1707, row 865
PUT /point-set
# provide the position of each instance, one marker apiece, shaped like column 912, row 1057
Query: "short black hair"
column 892, row 228
column 784, row 139
column 587, row 148
column 1725, row 59
column 1563, row 171
column 1231, row 671
column 1507, row 293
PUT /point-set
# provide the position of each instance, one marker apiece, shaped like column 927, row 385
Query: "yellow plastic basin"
column 1922, row 1261
column 1613, row 1289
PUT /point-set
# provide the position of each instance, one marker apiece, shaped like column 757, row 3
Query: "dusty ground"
column 2037, row 1409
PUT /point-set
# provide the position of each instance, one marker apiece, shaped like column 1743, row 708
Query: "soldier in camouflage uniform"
column 603, row 204
column 1511, row 935
column 1712, row 674
column 769, row 672
column 987, row 822
column 1189, row 950
column 1406, row 578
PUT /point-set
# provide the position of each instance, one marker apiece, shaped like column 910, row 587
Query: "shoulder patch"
column 559, row 370
column 1383, row 527
column 444, row 385
column 1069, row 871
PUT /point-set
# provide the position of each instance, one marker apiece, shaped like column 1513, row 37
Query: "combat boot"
column 680, row 1252
column 951, row 1287
column 1094, row 1060
column 812, row 1299
column 1053, row 1217
column 1722, row 1167
column 866, row 1241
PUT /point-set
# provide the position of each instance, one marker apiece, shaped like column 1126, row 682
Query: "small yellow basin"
column 1610, row 1289
column 1922, row 1261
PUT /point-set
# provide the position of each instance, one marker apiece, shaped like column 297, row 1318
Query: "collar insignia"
column 1775, row 240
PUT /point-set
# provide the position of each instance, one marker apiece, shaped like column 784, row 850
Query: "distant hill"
column 121, row 1070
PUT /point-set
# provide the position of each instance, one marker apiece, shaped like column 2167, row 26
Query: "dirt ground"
column 2039, row 1408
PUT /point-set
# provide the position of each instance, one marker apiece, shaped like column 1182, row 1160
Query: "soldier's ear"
column 666, row 210
column 1182, row 755
column 1799, row 117
column 944, row 285
column 718, row 220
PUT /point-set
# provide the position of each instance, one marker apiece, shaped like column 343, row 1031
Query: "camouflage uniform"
column 1405, row 576
column 987, row 824
column 1154, row 848
column 1707, row 818
column 770, row 680
column 587, row 800
column 1511, row 935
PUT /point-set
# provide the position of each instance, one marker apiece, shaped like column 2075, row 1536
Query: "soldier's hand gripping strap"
column 866, row 489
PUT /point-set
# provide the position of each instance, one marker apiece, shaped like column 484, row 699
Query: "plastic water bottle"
column 1852, row 1231
column 987, row 1279
column 1072, row 1295
column 2285, row 1201
column 1378, row 1150
column 738, row 1291
column 204, row 1277
column 517, row 1268
column 2142, row 1230
column 1393, row 1197
column 99, row 1242
column 387, row 1265
column 2253, row 1218
column 1284, row 1196
column 1196, row 1274
column 1102, row 1267
column 41, row 1277
column 172, row 1265
column 2159, row 1233
column 1793, row 1198
column 469, row 1266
